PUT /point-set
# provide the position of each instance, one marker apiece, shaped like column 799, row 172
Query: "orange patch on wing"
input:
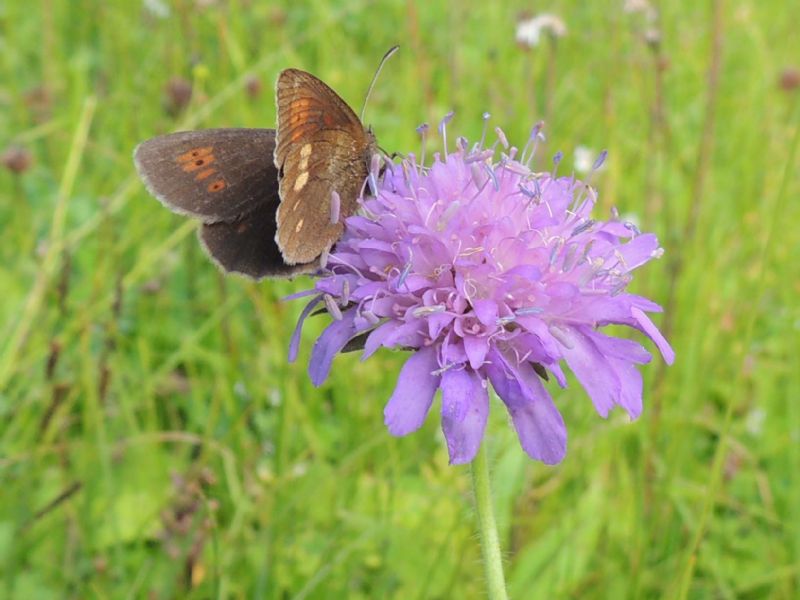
column 198, row 163
column 195, row 153
column 205, row 174
column 302, row 130
column 300, row 104
column 216, row 186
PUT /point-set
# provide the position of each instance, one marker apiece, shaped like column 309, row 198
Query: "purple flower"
column 488, row 273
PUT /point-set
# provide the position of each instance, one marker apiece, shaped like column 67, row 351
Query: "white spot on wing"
column 301, row 181
column 305, row 152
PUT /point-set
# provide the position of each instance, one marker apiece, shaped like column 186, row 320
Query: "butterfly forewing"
column 321, row 147
column 227, row 179
column 214, row 174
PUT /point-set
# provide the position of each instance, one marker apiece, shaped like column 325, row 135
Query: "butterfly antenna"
column 386, row 57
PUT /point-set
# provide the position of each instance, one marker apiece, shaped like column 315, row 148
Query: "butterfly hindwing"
column 247, row 245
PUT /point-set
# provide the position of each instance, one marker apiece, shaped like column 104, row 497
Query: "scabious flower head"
column 489, row 273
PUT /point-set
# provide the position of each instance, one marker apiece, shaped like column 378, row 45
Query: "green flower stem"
column 487, row 527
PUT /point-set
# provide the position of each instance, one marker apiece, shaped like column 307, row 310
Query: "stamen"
column 561, row 336
column 470, row 289
column 502, row 137
column 528, row 310
column 600, row 160
column 443, row 130
column 536, row 194
column 492, row 176
column 346, row 292
column 481, row 156
column 569, row 256
column 336, row 203
column 336, row 258
column 478, row 176
column 619, row 287
column 588, row 224
column 532, row 144
column 587, row 188
column 375, row 164
column 448, row 214
column 556, row 250
column 370, row 316
column 402, row 279
column 372, row 181
column 422, row 130
column 444, row 368
column 514, row 167
column 486, row 116
column 620, row 259
column 632, row 228
column 424, row 311
column 556, row 160
column 470, row 251
column 332, row 307
column 586, row 250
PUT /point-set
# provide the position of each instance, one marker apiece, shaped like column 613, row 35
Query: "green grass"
column 153, row 440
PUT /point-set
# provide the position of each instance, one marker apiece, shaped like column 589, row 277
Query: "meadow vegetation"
column 155, row 443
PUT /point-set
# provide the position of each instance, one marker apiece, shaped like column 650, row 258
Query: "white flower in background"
column 585, row 159
column 157, row 8
column 529, row 31
column 637, row 6
column 652, row 34
column 754, row 422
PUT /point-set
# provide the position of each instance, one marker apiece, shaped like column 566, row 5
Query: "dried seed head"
column 17, row 159
column 790, row 79
column 253, row 86
column 39, row 101
column 177, row 95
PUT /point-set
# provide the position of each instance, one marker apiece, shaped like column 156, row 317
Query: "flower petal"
column 539, row 425
column 630, row 396
column 332, row 340
column 638, row 251
column 476, row 348
column 294, row 344
column 654, row 334
column 412, row 397
column 591, row 368
column 465, row 408
column 486, row 311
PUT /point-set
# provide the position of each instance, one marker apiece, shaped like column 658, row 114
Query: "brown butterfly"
column 267, row 198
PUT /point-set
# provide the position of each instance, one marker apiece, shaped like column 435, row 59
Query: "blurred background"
column 154, row 442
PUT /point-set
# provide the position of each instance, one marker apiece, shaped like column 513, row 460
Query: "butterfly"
column 271, row 201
